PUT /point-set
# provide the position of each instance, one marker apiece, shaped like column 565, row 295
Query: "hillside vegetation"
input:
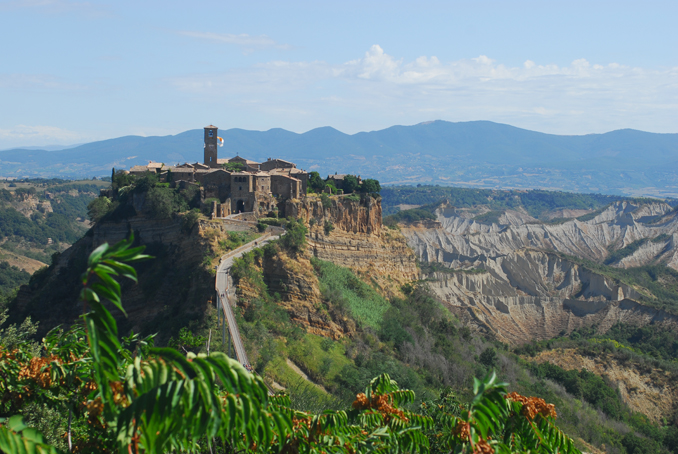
column 535, row 202
column 39, row 218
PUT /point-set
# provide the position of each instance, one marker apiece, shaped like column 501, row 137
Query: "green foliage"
column 11, row 277
column 261, row 227
column 328, row 226
column 584, row 385
column 350, row 184
column 271, row 221
column 489, row 358
column 491, row 217
column 495, row 422
column 187, row 341
column 370, row 186
column 626, row 251
column 233, row 167
column 326, row 201
column 536, row 202
column 294, row 239
column 408, row 216
column 349, row 294
column 316, row 183
column 162, row 202
column 13, row 224
column 98, row 208
column 121, row 179
column 189, row 220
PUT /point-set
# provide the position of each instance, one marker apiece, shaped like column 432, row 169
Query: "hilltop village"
column 241, row 185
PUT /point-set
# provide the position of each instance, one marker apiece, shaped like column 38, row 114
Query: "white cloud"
column 579, row 98
column 39, row 135
column 247, row 43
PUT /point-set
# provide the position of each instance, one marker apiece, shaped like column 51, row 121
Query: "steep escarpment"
column 524, row 281
column 350, row 213
column 174, row 288
column 460, row 240
column 532, row 294
column 350, row 233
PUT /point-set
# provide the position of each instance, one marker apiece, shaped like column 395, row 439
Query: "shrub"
column 328, row 227
column 326, row 201
column 189, row 220
column 294, row 239
column 98, row 208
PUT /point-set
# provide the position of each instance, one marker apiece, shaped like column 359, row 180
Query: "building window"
column 239, row 188
column 211, row 134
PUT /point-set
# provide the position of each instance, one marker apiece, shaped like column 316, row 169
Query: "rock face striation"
column 358, row 240
column 514, row 278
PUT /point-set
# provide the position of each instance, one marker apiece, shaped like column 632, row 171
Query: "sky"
column 73, row 72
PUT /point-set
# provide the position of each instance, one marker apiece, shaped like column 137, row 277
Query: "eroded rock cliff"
column 510, row 283
column 358, row 240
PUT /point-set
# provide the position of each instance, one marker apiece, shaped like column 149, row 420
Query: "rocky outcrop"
column 383, row 260
column 653, row 392
column 345, row 213
column 297, row 284
column 357, row 240
column 173, row 289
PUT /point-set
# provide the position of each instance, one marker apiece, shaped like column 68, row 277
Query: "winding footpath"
column 226, row 296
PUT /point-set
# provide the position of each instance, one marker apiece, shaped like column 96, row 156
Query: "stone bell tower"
column 211, row 145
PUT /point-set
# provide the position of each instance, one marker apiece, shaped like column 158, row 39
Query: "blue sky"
column 73, row 72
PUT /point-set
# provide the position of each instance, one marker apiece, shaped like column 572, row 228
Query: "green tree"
column 233, row 167
column 326, row 201
column 370, row 186
column 295, row 235
column 316, row 183
column 350, row 184
column 98, row 208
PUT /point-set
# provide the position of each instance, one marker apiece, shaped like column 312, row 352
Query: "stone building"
column 258, row 187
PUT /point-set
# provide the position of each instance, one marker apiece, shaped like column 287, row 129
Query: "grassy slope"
column 416, row 341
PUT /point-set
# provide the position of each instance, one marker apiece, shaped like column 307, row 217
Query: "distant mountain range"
column 478, row 153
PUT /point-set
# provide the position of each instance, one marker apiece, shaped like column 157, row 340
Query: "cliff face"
column 358, row 241
column 526, row 292
column 173, row 289
column 352, row 216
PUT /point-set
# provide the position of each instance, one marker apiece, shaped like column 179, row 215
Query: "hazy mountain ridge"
column 479, row 153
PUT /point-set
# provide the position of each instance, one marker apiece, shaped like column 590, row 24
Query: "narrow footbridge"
column 226, row 296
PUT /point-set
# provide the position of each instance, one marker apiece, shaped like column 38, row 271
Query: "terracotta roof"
column 210, row 127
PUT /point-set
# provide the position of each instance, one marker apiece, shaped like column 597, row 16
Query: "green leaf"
column 97, row 254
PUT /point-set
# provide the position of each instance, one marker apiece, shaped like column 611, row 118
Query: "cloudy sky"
column 77, row 71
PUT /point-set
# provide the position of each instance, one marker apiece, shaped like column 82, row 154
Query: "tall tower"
column 211, row 145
